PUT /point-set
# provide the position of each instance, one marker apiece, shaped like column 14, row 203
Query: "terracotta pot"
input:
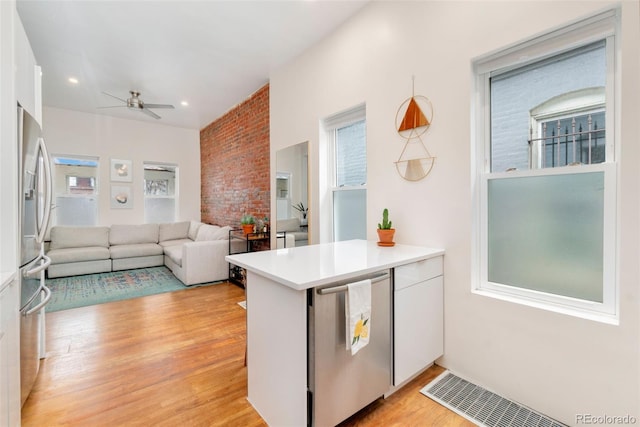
column 247, row 228
column 385, row 237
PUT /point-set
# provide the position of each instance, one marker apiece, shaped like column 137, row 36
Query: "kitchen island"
column 280, row 290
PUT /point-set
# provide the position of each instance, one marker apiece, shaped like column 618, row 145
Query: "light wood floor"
column 173, row 359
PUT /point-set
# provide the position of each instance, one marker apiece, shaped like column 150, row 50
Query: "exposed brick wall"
column 234, row 153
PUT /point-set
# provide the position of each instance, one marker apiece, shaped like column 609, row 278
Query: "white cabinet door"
column 25, row 80
column 4, row 365
column 418, row 327
column 9, row 356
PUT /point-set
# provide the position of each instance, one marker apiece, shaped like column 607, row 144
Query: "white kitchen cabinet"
column 279, row 308
column 4, row 365
column 418, row 317
column 28, row 76
column 9, row 355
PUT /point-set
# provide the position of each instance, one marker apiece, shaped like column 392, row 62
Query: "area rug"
column 91, row 289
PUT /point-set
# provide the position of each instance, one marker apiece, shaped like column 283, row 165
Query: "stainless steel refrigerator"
column 34, row 212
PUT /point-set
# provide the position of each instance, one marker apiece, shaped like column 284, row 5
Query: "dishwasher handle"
column 344, row 288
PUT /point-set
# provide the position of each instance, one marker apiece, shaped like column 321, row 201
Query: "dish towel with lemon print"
column 358, row 315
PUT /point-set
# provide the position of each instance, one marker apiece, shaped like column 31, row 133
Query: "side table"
column 237, row 275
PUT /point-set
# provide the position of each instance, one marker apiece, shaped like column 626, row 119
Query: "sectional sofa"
column 293, row 228
column 192, row 250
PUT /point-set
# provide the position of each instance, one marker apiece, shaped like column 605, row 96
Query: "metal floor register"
column 481, row 406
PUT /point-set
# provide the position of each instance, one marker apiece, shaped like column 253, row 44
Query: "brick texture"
column 234, row 153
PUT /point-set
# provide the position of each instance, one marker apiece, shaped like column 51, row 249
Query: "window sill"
column 555, row 308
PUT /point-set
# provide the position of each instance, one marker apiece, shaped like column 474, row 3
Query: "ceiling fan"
column 135, row 103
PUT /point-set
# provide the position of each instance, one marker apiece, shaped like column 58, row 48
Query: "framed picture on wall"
column 121, row 170
column 121, row 197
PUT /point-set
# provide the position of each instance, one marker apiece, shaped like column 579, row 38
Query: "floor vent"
column 481, row 406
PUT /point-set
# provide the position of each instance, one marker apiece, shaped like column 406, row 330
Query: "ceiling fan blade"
column 149, row 113
column 113, row 96
column 158, row 105
column 113, row 106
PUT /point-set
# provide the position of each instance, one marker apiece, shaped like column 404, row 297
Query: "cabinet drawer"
column 410, row 274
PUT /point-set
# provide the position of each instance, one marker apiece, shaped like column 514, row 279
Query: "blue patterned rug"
column 90, row 289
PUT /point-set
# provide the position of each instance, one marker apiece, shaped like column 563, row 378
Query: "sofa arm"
column 204, row 261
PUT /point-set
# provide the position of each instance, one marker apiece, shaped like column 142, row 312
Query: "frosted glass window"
column 75, row 186
column 349, row 207
column 545, row 233
column 159, row 209
column 76, row 211
column 160, row 192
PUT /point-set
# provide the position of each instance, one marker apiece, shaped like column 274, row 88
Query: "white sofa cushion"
column 133, row 234
column 206, row 231
column 174, row 242
column 173, row 231
column 174, row 253
column 87, row 253
column 193, row 229
column 135, row 250
column 212, row 232
column 292, row 224
column 79, row 237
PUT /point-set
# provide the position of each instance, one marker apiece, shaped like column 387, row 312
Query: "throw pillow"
column 193, row 229
column 222, row 233
column 126, row 234
column 174, row 231
column 78, row 237
column 207, row 232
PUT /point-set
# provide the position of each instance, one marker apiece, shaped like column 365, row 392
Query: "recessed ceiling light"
column 184, row 103
column 73, row 80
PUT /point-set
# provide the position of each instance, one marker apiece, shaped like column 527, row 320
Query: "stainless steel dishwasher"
column 341, row 384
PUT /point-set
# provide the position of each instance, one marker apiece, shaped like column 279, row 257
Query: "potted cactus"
column 247, row 222
column 385, row 230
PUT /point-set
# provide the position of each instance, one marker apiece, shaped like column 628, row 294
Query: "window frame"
column 580, row 33
column 59, row 160
column 150, row 166
column 330, row 126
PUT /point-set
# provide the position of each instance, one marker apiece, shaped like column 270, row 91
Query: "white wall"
column 8, row 140
column 74, row 133
column 556, row 364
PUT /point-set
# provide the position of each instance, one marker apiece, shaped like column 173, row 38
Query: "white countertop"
column 306, row 267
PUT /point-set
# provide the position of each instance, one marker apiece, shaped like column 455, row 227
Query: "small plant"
column 386, row 224
column 300, row 208
column 247, row 219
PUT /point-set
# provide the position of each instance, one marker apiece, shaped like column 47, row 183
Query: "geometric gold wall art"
column 413, row 119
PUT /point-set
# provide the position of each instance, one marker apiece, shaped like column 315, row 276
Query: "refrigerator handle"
column 48, row 192
column 41, row 267
column 45, row 301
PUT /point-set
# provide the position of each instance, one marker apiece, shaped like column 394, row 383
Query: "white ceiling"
column 212, row 54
